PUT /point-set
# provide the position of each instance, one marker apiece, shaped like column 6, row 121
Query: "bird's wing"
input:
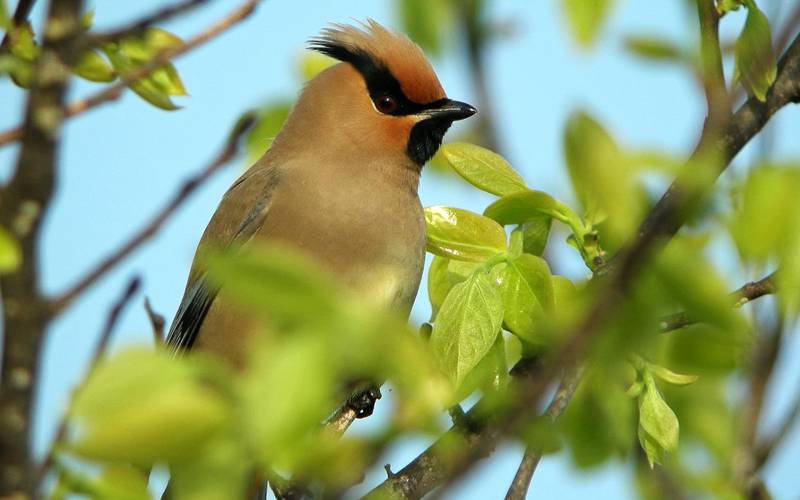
column 239, row 216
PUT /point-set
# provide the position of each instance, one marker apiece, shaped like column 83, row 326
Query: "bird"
column 338, row 184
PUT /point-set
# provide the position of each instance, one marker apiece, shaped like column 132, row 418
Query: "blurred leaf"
column 21, row 42
column 313, row 63
column 755, row 60
column 131, row 53
column 725, row 6
column 768, row 213
column 144, row 407
column 535, row 233
column 277, row 281
column 599, row 421
column 603, row 179
column 218, row 470
column 654, row 49
column 483, row 169
column 270, row 121
column 670, row 376
column 463, row 235
column 707, row 300
column 527, row 293
column 585, row 18
column 87, row 19
column 705, row 349
column 10, row 252
column 438, row 283
column 426, row 22
column 466, row 326
column 5, row 21
column 288, row 390
column 20, row 70
column 658, row 424
column 93, row 67
column 121, row 482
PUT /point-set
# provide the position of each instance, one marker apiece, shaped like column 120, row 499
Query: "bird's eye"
column 386, row 104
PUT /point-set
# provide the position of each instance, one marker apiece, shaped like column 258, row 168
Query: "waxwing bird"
column 339, row 183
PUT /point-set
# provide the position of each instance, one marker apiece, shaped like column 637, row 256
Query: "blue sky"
column 122, row 162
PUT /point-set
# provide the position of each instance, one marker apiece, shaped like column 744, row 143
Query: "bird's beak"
column 449, row 110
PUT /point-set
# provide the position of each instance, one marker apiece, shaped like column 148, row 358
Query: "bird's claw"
column 363, row 402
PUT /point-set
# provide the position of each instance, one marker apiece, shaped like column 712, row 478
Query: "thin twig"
column 136, row 27
column 522, row 479
column 748, row 292
column 99, row 352
column 227, row 153
column 157, row 322
column 765, row 450
column 114, row 91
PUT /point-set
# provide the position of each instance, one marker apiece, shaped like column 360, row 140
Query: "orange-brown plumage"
column 404, row 58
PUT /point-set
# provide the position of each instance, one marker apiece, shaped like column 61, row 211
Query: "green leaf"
column 515, row 243
column 10, row 252
column 483, row 169
column 725, row 6
column 438, row 283
column 313, row 63
column 466, row 326
column 5, row 21
column 122, row 482
column 535, row 233
column 87, row 19
column 521, row 207
column 220, row 469
column 131, row 53
column 426, row 22
column 93, row 67
column 269, row 123
column 658, row 423
column 527, row 292
column 755, row 59
column 20, row 70
column 670, row 376
column 22, row 44
column 654, row 49
column 585, row 18
column 602, row 178
column 463, row 235
column 144, row 407
column 276, row 281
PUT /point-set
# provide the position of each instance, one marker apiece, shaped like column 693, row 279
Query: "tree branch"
column 522, row 479
column 430, row 469
column 114, row 91
column 21, row 13
column 228, row 152
column 136, row 27
column 24, row 201
column 748, row 292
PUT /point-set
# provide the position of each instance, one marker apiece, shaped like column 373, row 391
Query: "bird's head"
column 383, row 99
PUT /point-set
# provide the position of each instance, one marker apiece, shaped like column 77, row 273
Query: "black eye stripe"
column 378, row 78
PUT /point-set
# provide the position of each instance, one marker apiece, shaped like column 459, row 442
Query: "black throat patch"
column 427, row 135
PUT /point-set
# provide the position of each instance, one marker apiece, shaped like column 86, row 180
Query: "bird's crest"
column 379, row 53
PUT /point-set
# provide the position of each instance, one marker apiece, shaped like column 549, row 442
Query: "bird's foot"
column 363, row 402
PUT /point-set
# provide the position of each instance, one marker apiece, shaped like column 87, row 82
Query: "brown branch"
column 430, row 469
column 114, row 91
column 136, row 27
column 765, row 449
column 761, row 368
column 748, row 292
column 99, row 351
column 522, row 479
column 227, row 154
column 25, row 199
